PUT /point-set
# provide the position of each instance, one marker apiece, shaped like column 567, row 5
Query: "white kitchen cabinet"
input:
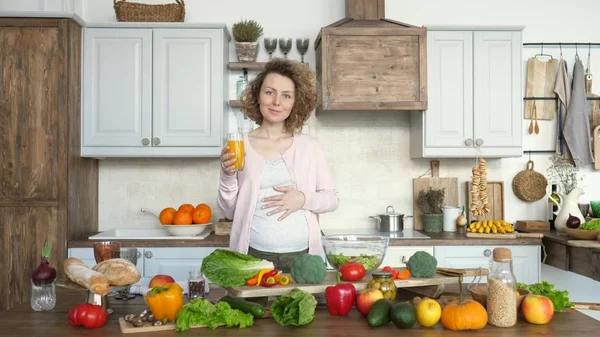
column 154, row 92
column 526, row 260
column 474, row 89
column 397, row 256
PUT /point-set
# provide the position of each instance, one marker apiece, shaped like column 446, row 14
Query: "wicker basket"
column 529, row 185
column 138, row 12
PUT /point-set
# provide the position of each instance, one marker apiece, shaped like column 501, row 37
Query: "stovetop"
column 409, row 234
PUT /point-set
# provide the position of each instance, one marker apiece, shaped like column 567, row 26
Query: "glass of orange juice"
column 235, row 142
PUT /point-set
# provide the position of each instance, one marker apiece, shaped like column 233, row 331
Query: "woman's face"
column 276, row 99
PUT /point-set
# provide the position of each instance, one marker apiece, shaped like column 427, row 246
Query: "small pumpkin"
column 464, row 315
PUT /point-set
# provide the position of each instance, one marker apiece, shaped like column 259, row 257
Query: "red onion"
column 573, row 221
column 44, row 273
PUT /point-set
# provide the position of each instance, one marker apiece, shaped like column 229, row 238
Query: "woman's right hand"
column 227, row 161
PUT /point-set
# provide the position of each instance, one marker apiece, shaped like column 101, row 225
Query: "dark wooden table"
column 22, row 321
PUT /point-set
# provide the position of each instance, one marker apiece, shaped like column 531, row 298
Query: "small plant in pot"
column 246, row 33
column 430, row 202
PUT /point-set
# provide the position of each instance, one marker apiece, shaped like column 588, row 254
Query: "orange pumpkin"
column 464, row 315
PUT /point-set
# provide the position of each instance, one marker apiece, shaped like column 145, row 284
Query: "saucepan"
column 390, row 221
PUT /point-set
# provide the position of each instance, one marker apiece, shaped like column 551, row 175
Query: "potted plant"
column 430, row 202
column 246, row 33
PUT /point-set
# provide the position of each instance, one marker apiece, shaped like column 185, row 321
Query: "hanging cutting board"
column 541, row 77
column 495, row 194
column 419, row 184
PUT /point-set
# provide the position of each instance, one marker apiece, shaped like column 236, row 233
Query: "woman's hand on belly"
column 289, row 201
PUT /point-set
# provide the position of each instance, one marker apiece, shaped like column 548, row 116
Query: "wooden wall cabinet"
column 475, row 96
column 47, row 191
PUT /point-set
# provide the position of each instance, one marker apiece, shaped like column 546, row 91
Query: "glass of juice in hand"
column 235, row 142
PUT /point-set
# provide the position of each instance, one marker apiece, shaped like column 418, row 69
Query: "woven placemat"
column 529, row 185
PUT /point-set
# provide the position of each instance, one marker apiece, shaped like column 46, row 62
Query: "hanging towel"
column 562, row 88
column 577, row 123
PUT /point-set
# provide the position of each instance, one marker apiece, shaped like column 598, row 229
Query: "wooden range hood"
column 367, row 62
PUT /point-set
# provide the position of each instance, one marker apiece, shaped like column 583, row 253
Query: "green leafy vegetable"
column 560, row 299
column 201, row 312
column 229, row 269
column 593, row 225
column 308, row 268
column 369, row 261
column 296, row 308
column 422, row 265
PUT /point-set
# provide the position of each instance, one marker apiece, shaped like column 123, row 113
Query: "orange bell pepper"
column 165, row 301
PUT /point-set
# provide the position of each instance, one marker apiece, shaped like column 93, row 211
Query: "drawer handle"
column 148, row 254
column 487, row 253
column 404, row 259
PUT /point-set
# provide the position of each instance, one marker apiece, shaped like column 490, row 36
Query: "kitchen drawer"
column 526, row 259
column 173, row 261
column 396, row 256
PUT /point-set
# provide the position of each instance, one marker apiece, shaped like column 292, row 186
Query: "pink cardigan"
column 305, row 160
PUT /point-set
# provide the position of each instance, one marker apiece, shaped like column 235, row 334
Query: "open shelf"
column 247, row 65
column 234, row 103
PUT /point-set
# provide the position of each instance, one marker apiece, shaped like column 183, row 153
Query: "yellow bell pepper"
column 165, row 301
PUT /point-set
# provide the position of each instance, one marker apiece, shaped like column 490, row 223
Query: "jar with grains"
column 502, row 290
column 383, row 282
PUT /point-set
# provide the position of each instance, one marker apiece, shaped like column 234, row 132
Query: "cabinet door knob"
column 155, row 141
column 145, row 141
column 469, row 142
column 139, row 254
column 148, row 254
column 487, row 253
column 479, row 142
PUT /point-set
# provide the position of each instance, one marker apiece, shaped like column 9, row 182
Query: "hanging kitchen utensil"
column 529, row 185
column 531, row 119
column 541, row 77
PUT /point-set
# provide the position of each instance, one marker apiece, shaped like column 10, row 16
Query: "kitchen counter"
column 23, row 321
column 436, row 239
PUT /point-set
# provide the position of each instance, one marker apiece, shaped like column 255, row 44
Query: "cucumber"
column 244, row 306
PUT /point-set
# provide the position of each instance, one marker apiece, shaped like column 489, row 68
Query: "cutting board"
column 596, row 149
column 419, row 184
column 541, row 77
column 535, row 225
column 495, row 194
column 330, row 280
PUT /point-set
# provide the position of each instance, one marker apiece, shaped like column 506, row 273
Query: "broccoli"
column 308, row 269
column 422, row 265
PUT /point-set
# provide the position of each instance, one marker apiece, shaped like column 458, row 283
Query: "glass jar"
column 383, row 282
column 196, row 285
column 241, row 85
column 502, row 290
column 43, row 297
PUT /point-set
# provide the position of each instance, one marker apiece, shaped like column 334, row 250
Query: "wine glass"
column 270, row 45
column 130, row 254
column 302, row 46
column 285, row 44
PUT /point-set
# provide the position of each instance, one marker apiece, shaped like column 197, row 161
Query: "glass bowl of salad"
column 366, row 249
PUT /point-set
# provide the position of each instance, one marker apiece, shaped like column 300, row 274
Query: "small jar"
column 43, row 297
column 241, row 85
column 383, row 282
column 196, row 285
column 502, row 290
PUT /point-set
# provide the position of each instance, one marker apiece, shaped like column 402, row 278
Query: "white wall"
column 367, row 151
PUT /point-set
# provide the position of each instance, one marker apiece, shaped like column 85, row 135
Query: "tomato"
column 352, row 271
column 88, row 315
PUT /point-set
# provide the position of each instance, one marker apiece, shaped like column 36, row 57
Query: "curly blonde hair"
column 305, row 92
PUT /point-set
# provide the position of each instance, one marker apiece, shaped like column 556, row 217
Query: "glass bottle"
column 383, row 282
column 502, row 290
column 43, row 297
column 241, row 84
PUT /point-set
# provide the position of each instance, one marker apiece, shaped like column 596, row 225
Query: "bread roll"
column 81, row 274
column 119, row 272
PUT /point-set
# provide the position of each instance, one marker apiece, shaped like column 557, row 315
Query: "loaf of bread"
column 119, row 272
column 81, row 274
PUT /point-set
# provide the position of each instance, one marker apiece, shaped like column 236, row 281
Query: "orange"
column 186, row 207
column 201, row 215
column 167, row 215
column 182, row 217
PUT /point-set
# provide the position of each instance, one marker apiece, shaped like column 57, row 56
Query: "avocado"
column 380, row 313
column 403, row 315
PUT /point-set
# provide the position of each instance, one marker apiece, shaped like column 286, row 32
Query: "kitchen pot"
column 390, row 221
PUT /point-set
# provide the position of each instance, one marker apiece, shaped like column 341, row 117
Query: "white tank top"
column 268, row 234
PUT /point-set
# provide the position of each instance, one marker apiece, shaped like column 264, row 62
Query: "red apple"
column 159, row 280
column 537, row 309
column 365, row 299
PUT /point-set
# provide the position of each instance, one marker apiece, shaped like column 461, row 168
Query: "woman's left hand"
column 290, row 201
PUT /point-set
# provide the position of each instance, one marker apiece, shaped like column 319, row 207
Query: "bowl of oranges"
column 187, row 220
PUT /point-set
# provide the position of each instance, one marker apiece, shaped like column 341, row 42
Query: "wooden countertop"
column 437, row 239
column 23, row 321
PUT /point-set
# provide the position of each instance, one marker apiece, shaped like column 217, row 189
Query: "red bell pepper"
column 266, row 282
column 352, row 271
column 340, row 298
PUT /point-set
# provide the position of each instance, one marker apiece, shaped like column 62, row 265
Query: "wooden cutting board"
column 419, row 184
column 330, row 280
column 495, row 195
column 541, row 77
column 535, row 225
